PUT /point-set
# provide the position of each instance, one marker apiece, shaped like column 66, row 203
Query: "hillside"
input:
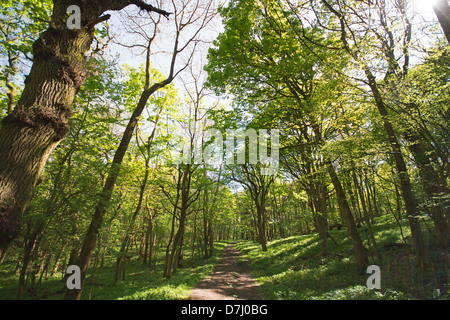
column 293, row 268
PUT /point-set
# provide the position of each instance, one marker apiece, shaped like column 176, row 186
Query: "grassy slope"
column 140, row 283
column 293, row 268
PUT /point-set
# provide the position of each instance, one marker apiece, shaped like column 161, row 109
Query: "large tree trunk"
column 38, row 123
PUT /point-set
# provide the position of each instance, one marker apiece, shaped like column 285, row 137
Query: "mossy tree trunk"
column 39, row 121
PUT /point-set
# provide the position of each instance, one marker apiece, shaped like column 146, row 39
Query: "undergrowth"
column 141, row 283
column 294, row 268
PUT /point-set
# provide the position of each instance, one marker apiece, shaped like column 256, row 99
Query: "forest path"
column 230, row 279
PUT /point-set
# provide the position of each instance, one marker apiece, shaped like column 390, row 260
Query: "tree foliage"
column 359, row 97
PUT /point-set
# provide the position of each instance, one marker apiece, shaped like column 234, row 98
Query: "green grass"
column 140, row 282
column 293, row 268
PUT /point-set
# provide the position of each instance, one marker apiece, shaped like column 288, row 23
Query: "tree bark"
column 194, row 234
column 184, row 188
column 434, row 188
column 206, row 224
column 148, row 241
column 30, row 133
column 442, row 10
column 260, row 213
column 360, row 191
column 30, row 244
column 318, row 193
column 402, row 173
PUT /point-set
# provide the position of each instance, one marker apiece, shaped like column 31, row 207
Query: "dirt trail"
column 230, row 279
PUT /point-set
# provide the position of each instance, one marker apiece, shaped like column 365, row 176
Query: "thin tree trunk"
column 318, row 193
column 148, row 242
column 206, row 223
column 169, row 244
column 405, row 183
column 135, row 214
column 58, row 260
column 211, row 238
column 172, row 262
column 362, row 260
column 177, row 246
column 193, row 241
column 260, row 225
column 322, row 220
column 434, row 188
column 29, row 246
column 366, row 215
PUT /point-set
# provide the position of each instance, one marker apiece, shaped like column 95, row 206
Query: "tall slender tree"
column 186, row 14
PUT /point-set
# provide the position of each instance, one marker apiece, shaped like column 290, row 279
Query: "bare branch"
column 149, row 8
column 99, row 20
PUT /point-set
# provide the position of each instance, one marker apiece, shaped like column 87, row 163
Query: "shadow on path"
column 230, row 279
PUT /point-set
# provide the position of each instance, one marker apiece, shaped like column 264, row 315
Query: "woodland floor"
column 230, row 279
